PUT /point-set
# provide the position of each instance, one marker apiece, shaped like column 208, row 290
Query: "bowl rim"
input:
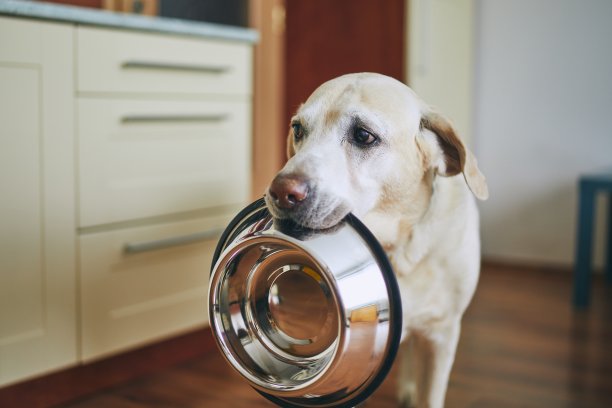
column 395, row 328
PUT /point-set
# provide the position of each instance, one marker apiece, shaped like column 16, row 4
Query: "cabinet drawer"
column 147, row 158
column 115, row 61
column 141, row 284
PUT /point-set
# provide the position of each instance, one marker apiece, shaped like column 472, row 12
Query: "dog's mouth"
column 319, row 214
column 291, row 228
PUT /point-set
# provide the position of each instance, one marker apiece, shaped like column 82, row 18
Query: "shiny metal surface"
column 307, row 318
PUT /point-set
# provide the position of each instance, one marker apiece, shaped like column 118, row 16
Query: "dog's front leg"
column 408, row 372
column 427, row 359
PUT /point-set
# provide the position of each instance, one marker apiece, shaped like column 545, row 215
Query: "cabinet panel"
column 21, row 259
column 141, row 158
column 115, row 61
column 142, row 284
column 27, row 49
column 37, row 212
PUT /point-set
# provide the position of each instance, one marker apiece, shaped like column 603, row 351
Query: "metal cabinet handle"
column 212, row 117
column 138, row 247
column 168, row 66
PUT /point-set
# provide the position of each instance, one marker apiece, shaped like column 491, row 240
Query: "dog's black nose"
column 287, row 191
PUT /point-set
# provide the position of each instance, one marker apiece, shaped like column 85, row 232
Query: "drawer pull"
column 138, row 247
column 207, row 69
column 213, row 117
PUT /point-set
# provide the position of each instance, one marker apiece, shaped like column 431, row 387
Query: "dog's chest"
column 426, row 297
column 423, row 291
column 432, row 292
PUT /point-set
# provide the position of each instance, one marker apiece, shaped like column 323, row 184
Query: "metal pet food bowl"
column 308, row 318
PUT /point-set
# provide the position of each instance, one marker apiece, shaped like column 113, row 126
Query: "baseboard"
column 72, row 383
column 500, row 262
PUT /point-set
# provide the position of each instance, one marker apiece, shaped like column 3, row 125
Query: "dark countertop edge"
column 105, row 18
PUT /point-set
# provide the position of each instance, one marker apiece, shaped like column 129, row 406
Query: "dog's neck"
column 404, row 230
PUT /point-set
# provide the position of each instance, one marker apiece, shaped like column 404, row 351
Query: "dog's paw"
column 407, row 402
column 407, row 396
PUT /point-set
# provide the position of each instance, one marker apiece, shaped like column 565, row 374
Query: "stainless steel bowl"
column 308, row 318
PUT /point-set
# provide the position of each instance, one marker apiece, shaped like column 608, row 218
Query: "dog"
column 366, row 143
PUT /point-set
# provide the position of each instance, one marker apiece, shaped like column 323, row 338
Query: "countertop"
column 104, row 18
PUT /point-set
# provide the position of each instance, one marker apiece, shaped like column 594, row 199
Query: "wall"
column 440, row 57
column 542, row 116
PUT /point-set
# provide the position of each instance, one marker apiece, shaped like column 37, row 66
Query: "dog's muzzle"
column 293, row 197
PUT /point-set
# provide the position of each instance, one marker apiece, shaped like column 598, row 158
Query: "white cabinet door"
column 142, row 158
column 145, row 283
column 37, row 210
column 117, row 62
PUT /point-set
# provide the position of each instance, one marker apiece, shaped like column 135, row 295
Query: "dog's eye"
column 363, row 138
column 298, row 131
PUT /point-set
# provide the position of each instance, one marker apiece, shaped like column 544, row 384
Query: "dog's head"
column 363, row 142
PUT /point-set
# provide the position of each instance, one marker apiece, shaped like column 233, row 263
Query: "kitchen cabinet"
column 38, row 291
column 164, row 161
column 160, row 156
column 123, row 155
column 118, row 61
column 144, row 283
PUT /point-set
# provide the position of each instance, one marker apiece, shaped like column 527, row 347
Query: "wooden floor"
column 521, row 346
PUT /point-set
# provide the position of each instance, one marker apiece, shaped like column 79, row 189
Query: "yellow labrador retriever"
column 365, row 143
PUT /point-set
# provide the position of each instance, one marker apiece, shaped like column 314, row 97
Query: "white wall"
column 542, row 116
column 440, row 57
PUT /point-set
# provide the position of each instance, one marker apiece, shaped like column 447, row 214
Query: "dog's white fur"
column 411, row 187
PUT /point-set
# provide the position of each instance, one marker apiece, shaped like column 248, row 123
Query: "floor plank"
column 522, row 345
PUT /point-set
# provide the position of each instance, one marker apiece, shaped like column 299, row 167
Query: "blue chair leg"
column 584, row 247
column 609, row 243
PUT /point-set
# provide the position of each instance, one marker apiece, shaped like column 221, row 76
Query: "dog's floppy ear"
column 450, row 156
